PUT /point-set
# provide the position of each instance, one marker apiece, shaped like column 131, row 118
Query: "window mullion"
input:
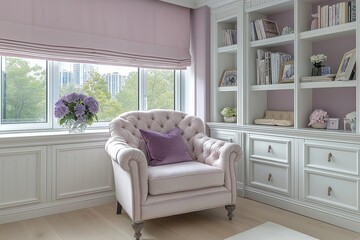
column 142, row 90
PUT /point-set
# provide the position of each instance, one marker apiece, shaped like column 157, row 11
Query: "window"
column 159, row 88
column 30, row 87
column 115, row 88
column 23, row 91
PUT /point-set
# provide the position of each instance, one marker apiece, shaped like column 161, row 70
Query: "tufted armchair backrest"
column 126, row 126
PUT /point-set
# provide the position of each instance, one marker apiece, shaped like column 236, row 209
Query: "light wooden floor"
column 102, row 223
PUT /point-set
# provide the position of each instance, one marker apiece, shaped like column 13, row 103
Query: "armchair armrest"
column 215, row 152
column 218, row 153
column 123, row 153
column 132, row 161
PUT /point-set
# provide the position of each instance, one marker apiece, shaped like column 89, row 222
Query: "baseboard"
column 337, row 218
column 39, row 210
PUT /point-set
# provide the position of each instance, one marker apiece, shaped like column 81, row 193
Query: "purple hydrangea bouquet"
column 76, row 111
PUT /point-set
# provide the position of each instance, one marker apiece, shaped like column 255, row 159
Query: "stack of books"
column 229, row 37
column 263, row 29
column 340, row 13
column 268, row 66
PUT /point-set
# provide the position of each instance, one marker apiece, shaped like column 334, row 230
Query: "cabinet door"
column 336, row 157
column 271, row 177
column 270, row 148
column 269, row 163
column 334, row 191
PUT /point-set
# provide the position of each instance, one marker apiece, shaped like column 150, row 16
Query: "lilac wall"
column 336, row 101
column 200, row 19
column 283, row 19
column 282, row 100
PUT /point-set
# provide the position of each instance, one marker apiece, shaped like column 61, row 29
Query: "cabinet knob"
column 329, row 191
column 269, row 177
column 269, row 148
column 329, row 157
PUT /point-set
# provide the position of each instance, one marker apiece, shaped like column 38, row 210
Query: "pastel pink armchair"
column 147, row 192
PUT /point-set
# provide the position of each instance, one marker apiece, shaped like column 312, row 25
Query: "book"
column 253, row 31
column 319, row 16
column 353, row 11
column 326, row 78
column 257, row 28
column 229, row 37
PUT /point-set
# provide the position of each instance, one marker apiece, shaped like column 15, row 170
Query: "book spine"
column 330, row 16
column 353, row 11
column 262, row 29
column 333, row 14
column 257, row 27
column 319, row 16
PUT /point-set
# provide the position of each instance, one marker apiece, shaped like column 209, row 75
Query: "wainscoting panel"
column 81, row 169
column 22, row 176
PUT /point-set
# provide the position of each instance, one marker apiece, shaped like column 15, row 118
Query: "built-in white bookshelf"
column 252, row 99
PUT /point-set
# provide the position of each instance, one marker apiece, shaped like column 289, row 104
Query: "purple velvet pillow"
column 165, row 148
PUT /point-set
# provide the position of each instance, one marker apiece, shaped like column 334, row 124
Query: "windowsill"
column 52, row 137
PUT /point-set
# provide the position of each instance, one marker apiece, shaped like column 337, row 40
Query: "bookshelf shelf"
column 275, row 41
column 330, row 32
column 228, row 49
column 330, row 84
column 284, row 86
column 228, row 89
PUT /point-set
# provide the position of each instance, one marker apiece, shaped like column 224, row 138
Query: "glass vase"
column 75, row 127
column 316, row 71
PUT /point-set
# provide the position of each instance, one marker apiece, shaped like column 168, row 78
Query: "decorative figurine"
column 314, row 22
column 287, row 30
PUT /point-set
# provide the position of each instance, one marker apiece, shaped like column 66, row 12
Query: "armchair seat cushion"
column 183, row 176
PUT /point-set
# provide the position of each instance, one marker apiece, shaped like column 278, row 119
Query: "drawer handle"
column 329, row 157
column 269, row 148
column 269, row 177
column 329, row 191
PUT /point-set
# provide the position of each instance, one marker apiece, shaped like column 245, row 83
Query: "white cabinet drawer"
column 270, row 177
column 270, row 148
column 331, row 190
column 338, row 157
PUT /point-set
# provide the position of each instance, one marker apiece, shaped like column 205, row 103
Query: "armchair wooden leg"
column 230, row 209
column 137, row 228
column 118, row 208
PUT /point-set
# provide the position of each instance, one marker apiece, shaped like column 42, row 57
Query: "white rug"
column 270, row 231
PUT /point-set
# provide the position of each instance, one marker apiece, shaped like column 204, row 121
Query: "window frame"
column 52, row 95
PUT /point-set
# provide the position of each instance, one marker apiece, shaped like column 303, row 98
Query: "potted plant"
column 317, row 61
column 318, row 118
column 76, row 111
column 229, row 114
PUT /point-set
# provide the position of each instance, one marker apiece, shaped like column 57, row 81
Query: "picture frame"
column 347, row 124
column 270, row 28
column 332, row 123
column 345, row 71
column 229, row 78
column 287, row 72
column 325, row 71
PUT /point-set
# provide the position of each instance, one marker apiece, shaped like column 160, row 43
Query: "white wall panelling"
column 23, row 173
column 81, row 169
column 47, row 173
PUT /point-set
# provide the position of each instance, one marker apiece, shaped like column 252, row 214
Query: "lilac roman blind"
column 141, row 33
